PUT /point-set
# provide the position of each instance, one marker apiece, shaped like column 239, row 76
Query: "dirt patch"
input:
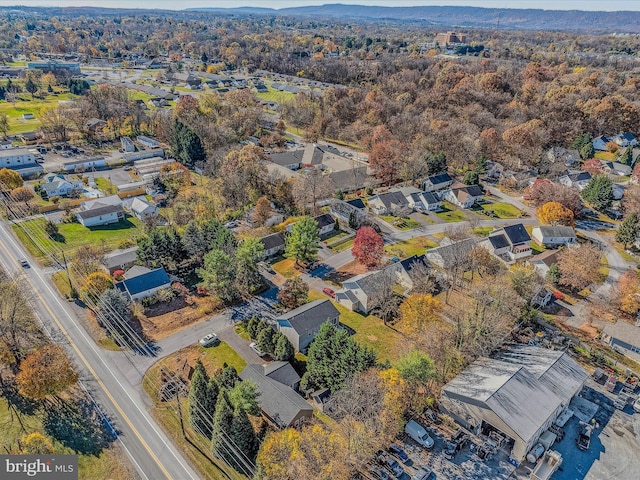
column 372, row 338
column 345, row 272
column 161, row 308
column 162, row 325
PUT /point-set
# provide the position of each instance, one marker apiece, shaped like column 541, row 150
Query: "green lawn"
column 369, row 331
column 482, row 231
column 282, row 98
column 502, row 209
column 25, row 104
column 106, row 186
column 75, row 235
column 450, row 213
column 106, row 465
column 409, row 248
column 342, row 245
column 220, row 354
column 401, row 223
column 285, row 268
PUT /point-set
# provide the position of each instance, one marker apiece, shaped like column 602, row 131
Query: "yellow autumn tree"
column 554, row 213
column 36, row 444
column 278, row 451
column 96, row 284
column 629, row 291
column 396, row 393
column 418, row 312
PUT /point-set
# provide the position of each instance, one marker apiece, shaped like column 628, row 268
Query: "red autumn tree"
column 368, row 247
column 593, row 166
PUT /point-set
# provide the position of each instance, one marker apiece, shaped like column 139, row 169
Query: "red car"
column 329, row 292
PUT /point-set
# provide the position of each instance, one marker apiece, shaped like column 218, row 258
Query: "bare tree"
column 384, row 300
column 310, row 187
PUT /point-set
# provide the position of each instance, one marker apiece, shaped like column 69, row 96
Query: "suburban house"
column 510, row 243
column 437, row 182
column 625, row 140
column 464, row 196
column 282, row 372
column 543, row 261
column 94, row 125
column 302, row 324
column 99, row 216
column 142, row 209
column 279, row 403
column 623, row 337
column 449, row 253
column 600, row 143
column 388, row 203
column 419, row 200
column 553, row 235
column 326, row 224
column 359, row 293
column 141, row 282
column 562, row 155
column 518, row 395
column 273, row 244
column 120, row 259
column 58, row 185
column 345, row 210
column 575, row 179
column 616, row 168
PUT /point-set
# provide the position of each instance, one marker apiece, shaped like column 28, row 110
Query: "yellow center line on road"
column 89, row 367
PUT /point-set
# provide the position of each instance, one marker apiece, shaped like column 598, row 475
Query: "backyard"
column 401, row 223
column 502, row 210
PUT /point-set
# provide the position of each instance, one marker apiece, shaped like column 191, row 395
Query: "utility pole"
column 66, row 269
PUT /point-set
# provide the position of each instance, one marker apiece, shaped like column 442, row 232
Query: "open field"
column 108, row 236
column 502, row 209
column 277, row 96
column 25, row 105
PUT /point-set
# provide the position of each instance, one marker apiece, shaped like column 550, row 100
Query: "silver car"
column 209, row 340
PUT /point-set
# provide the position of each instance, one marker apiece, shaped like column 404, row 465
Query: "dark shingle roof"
column 439, row 178
column 153, row 279
column 272, row 241
column 517, row 234
column 279, row 402
column 310, row 316
column 356, row 202
column 498, row 241
column 96, row 212
column 282, row 372
column 324, row 220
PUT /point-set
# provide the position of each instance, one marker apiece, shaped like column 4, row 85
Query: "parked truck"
column 584, row 437
column 419, row 434
column 547, row 466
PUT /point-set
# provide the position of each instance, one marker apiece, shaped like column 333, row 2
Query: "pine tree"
column 283, row 350
column 219, row 275
column 553, row 274
column 222, row 424
column 599, row 192
column 265, row 340
column 302, row 243
column 627, row 156
column 628, row 231
column 248, row 254
column 228, row 377
column 243, row 436
column 252, row 327
column 200, row 406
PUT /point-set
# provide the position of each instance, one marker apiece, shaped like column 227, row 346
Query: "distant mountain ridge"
column 509, row 18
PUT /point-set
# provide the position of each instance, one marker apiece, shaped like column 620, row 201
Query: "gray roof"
column 281, row 372
column 120, row 257
column 287, row 158
column 279, row 402
column 439, row 178
column 517, row 234
column 557, row 231
column 498, row 241
column 390, row 199
column 96, row 212
column 309, row 316
column 324, row 220
column 448, row 252
column 272, row 241
column 523, row 387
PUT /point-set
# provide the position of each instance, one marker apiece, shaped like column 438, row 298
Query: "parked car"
column 24, row 263
column 209, row 340
column 381, row 457
column 231, row 224
column 457, row 443
column 329, row 291
column 419, row 434
column 379, row 473
column 424, row 473
column 393, row 466
column 395, row 449
column 254, row 346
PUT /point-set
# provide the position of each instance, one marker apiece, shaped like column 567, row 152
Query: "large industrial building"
column 519, row 394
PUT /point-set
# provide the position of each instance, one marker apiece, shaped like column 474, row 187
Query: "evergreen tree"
column 587, row 151
column 243, row 436
column 283, row 349
column 627, row 156
column 553, row 274
column 201, row 405
column 248, row 254
column 580, row 141
column 252, row 327
column 265, row 340
column 186, row 144
column 599, row 192
column 222, row 424
column 435, row 163
column 219, row 275
column 333, row 358
column 302, row 243
column 31, row 87
column 161, row 248
column 471, row 178
column 628, row 231
column 228, row 377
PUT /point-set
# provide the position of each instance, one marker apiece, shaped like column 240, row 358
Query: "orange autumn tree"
column 553, row 213
column 47, row 371
column 629, row 292
column 417, row 313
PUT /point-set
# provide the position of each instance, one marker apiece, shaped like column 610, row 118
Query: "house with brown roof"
column 463, row 196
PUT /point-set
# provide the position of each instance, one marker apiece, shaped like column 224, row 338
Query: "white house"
column 575, row 179
column 142, row 209
column 511, row 242
column 86, row 164
column 616, row 168
column 302, row 324
column 465, row 196
column 16, row 157
column 101, row 215
column 57, row 185
column 554, row 235
column 273, row 244
column 101, row 202
column 625, row 140
column 424, row 202
column 326, row 224
column 143, row 283
column 387, row 203
column 437, row 182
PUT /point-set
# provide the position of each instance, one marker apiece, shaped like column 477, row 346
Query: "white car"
column 209, row 340
column 636, row 406
column 254, row 346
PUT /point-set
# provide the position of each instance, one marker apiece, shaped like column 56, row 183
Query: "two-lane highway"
column 151, row 451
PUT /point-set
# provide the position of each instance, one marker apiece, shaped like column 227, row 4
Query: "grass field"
column 502, row 209
column 108, row 236
column 342, row 245
column 283, row 98
column 482, row 231
column 450, row 213
column 369, row 331
column 608, row 156
column 106, row 186
column 409, row 248
column 285, row 268
column 401, row 223
column 25, row 104
column 105, row 465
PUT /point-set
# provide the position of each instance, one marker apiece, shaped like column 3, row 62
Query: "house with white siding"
column 554, row 235
column 302, row 324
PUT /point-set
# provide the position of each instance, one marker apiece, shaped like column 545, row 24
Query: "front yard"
column 74, row 235
column 449, row 213
column 401, row 223
column 502, row 210
column 409, row 248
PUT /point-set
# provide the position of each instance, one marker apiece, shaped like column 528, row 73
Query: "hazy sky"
column 607, row 5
